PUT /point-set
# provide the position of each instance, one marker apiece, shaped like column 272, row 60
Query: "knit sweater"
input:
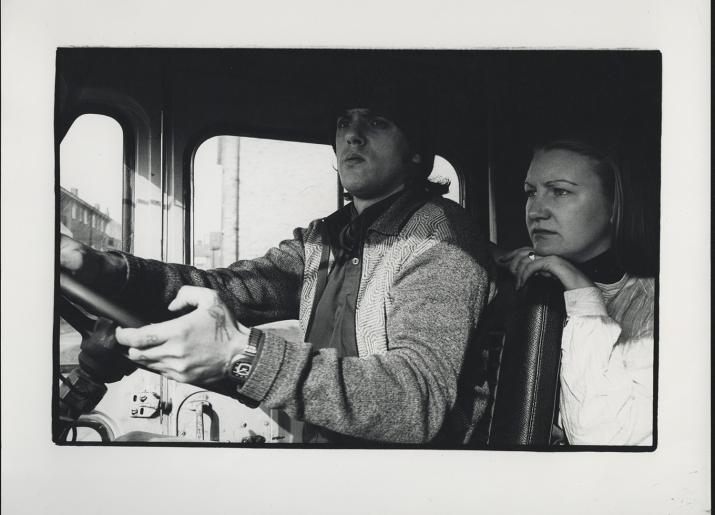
column 424, row 285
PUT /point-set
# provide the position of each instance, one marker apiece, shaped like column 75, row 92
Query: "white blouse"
column 607, row 353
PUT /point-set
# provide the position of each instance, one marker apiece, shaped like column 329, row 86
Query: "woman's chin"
column 544, row 249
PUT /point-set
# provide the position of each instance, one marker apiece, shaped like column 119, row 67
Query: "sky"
column 91, row 160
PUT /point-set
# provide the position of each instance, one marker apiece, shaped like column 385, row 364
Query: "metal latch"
column 145, row 404
column 199, row 407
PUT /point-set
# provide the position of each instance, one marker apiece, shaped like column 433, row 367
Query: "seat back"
column 525, row 364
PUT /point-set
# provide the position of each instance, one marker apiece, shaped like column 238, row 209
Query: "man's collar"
column 392, row 219
column 340, row 217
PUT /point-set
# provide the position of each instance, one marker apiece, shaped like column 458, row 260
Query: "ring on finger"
column 531, row 256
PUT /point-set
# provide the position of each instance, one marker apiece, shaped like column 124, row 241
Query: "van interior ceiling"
column 489, row 107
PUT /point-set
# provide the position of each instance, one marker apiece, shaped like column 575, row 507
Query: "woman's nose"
column 537, row 209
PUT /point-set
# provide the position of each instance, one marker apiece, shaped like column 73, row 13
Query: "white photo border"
column 39, row 477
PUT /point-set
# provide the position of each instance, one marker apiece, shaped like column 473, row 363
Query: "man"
column 388, row 292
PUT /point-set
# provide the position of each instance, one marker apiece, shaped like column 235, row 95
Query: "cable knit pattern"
column 383, row 259
column 378, row 267
column 313, row 249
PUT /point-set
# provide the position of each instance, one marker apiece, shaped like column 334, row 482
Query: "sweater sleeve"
column 258, row 291
column 606, row 384
column 402, row 395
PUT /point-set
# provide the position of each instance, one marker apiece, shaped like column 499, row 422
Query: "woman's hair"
column 632, row 236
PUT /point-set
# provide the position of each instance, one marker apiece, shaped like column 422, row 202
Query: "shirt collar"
column 346, row 229
column 387, row 216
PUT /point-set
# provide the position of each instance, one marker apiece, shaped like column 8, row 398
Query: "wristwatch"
column 241, row 365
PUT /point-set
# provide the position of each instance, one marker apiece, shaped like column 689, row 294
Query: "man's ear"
column 416, row 159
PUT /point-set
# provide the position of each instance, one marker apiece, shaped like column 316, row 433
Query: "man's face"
column 372, row 154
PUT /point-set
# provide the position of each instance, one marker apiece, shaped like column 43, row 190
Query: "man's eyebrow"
column 364, row 111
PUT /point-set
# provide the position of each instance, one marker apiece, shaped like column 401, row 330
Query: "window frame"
column 129, row 139
column 126, row 216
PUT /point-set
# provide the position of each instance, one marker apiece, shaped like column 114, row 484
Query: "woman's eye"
column 529, row 193
column 559, row 192
column 342, row 123
column 379, row 123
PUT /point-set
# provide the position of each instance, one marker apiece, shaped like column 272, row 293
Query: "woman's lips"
column 542, row 232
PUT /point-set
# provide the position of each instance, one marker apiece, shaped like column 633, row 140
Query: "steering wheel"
column 101, row 359
column 73, row 291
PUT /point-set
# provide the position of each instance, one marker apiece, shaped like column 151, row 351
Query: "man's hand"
column 196, row 348
column 524, row 262
column 90, row 266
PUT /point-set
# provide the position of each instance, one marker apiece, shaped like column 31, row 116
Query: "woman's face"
column 567, row 212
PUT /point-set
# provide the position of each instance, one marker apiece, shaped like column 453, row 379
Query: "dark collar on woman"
column 604, row 268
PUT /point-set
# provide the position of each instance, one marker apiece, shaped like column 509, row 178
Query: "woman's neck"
column 604, row 268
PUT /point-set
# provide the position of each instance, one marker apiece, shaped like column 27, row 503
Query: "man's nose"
column 354, row 134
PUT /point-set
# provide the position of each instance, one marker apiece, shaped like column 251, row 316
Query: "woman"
column 576, row 219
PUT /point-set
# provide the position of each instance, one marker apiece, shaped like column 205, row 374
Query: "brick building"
column 87, row 223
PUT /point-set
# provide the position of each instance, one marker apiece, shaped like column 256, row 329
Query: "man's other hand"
column 196, row 348
column 90, row 266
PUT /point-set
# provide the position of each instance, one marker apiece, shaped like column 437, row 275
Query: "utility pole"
column 228, row 158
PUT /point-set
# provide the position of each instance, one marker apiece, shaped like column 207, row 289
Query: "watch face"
column 241, row 369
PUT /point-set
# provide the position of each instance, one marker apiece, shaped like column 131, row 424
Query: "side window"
column 249, row 194
column 91, row 181
column 442, row 171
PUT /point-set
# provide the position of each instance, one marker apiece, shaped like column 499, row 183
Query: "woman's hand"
column 523, row 262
